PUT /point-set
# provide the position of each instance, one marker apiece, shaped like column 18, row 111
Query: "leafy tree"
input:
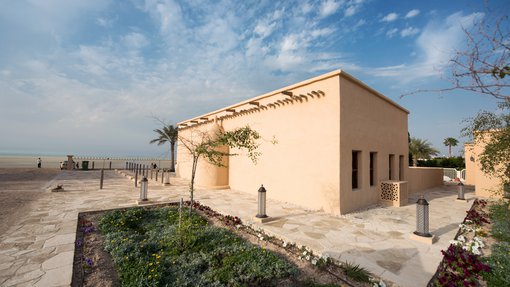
column 421, row 149
column 493, row 131
column 208, row 146
column 449, row 142
column 168, row 134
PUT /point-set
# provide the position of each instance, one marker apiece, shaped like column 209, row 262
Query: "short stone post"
column 110, row 165
column 167, row 178
column 101, row 180
column 92, row 165
column 460, row 195
column 157, row 171
column 136, row 175
column 162, row 175
column 422, row 222
column 144, row 186
column 126, row 165
column 261, row 211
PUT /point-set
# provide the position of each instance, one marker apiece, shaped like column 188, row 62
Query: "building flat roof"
column 284, row 90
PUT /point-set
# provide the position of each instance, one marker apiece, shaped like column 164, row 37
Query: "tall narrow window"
column 373, row 158
column 355, row 169
column 390, row 166
column 401, row 167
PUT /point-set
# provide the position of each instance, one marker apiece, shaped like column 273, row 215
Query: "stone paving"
column 38, row 249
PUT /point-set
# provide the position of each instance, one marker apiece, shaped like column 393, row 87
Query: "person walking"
column 39, row 163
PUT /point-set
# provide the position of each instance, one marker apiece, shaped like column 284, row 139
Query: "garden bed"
column 244, row 256
column 480, row 253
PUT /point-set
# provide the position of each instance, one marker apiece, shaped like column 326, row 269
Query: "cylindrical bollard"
column 151, row 173
column 126, row 165
column 460, row 195
column 162, row 175
column 136, row 175
column 422, row 218
column 144, row 186
column 101, row 181
column 92, row 165
column 110, row 165
column 157, row 171
column 262, row 203
column 167, row 178
column 143, row 170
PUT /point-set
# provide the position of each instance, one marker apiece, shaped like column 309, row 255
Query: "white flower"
column 284, row 244
column 304, row 252
column 308, row 257
column 314, row 261
column 461, row 238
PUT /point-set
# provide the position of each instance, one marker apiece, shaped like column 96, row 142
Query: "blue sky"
column 87, row 77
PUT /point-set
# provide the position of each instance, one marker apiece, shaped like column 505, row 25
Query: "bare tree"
column 204, row 145
column 483, row 65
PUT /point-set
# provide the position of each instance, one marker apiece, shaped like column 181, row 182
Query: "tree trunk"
column 172, row 157
column 192, row 184
column 415, row 161
column 449, row 151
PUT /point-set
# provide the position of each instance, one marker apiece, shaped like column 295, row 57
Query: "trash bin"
column 85, row 165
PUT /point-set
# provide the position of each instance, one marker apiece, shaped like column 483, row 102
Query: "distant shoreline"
column 30, row 161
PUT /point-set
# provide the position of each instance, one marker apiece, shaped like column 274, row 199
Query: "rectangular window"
column 401, row 167
column 355, row 169
column 390, row 166
column 373, row 158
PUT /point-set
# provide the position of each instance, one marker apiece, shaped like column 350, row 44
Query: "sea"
column 53, row 161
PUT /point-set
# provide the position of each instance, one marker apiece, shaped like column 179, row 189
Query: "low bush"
column 160, row 247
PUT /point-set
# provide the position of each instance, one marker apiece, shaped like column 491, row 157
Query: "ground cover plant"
column 163, row 247
column 499, row 259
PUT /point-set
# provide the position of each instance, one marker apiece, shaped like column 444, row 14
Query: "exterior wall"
column 369, row 123
column 316, row 128
column 423, row 178
column 485, row 185
column 302, row 167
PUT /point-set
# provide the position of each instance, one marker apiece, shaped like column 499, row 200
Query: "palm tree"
column 449, row 142
column 167, row 135
column 421, row 149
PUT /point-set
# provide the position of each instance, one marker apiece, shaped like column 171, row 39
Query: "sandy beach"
column 19, row 187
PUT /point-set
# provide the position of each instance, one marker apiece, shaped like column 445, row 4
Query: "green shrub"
column 356, row 273
column 149, row 248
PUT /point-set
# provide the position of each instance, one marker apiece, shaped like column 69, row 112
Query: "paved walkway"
column 38, row 249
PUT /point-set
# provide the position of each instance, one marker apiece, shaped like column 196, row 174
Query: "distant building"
column 485, row 184
column 337, row 140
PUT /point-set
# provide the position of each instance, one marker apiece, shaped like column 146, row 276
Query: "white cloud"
column 390, row 33
column 353, row 7
column 390, row 17
column 412, row 13
column 409, row 31
column 435, row 46
column 329, row 7
column 135, row 40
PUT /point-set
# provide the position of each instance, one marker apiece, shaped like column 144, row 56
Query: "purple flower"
column 89, row 262
column 79, row 242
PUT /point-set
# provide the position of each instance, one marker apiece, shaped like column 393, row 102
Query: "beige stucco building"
column 485, row 185
column 336, row 140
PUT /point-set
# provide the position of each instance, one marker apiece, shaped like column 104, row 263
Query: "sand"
column 19, row 187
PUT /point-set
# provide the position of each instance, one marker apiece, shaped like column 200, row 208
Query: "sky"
column 90, row 77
